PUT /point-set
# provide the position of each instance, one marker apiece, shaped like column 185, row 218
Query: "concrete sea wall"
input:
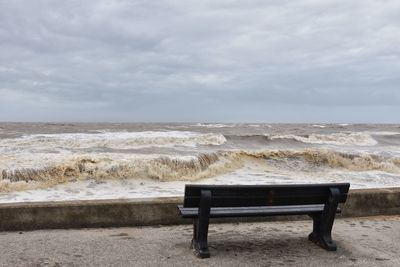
column 157, row 211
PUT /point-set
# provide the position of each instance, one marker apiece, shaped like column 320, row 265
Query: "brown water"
column 44, row 155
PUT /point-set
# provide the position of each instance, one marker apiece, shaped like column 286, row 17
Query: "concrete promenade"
column 362, row 241
column 156, row 211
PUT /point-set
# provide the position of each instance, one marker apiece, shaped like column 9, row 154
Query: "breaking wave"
column 334, row 159
column 162, row 168
column 355, row 139
column 214, row 125
column 189, row 168
column 114, row 140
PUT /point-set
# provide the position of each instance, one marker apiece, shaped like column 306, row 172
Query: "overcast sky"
column 249, row 61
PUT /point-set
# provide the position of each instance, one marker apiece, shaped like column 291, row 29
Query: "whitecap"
column 113, row 140
column 214, row 125
column 357, row 139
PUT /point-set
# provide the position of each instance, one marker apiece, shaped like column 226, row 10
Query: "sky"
column 205, row 61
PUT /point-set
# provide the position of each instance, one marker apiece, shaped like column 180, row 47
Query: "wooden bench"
column 320, row 201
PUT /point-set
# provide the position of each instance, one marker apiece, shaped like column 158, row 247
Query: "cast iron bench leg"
column 200, row 226
column 193, row 244
column 323, row 223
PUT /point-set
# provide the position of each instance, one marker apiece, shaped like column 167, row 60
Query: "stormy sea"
column 66, row 161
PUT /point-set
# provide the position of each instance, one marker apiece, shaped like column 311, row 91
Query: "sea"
column 71, row 161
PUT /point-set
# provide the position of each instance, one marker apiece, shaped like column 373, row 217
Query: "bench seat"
column 221, row 212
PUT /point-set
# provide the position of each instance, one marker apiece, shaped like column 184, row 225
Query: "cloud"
column 198, row 60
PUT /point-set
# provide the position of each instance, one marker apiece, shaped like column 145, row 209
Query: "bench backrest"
column 263, row 195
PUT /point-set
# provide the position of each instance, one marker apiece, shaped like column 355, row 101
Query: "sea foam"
column 106, row 166
column 41, row 156
column 114, row 140
column 355, row 139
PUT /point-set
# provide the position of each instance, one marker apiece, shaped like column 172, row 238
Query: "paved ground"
column 372, row 241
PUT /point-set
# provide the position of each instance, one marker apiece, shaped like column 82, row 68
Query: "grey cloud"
column 198, row 60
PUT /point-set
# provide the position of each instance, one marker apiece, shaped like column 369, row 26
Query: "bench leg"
column 192, row 245
column 316, row 228
column 200, row 226
column 321, row 234
column 323, row 223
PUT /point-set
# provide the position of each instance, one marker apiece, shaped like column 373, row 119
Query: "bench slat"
column 254, row 211
column 264, row 195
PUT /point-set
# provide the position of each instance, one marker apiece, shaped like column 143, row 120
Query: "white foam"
column 355, row 139
column 214, row 125
column 136, row 188
column 384, row 133
column 114, row 140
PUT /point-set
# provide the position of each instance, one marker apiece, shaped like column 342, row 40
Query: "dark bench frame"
column 319, row 201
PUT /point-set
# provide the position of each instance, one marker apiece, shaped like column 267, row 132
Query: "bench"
column 319, row 201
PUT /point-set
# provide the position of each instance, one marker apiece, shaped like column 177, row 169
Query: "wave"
column 187, row 168
column 335, row 159
column 340, row 139
column 214, row 125
column 162, row 168
column 356, row 139
column 113, row 140
column 385, row 133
